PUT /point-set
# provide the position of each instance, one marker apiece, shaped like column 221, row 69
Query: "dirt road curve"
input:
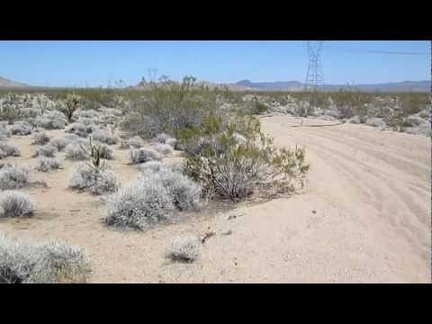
column 378, row 186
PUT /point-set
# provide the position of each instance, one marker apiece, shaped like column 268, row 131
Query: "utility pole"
column 314, row 74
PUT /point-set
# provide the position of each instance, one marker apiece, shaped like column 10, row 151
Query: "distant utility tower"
column 152, row 74
column 314, row 75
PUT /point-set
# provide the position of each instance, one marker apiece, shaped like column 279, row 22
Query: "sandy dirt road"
column 364, row 216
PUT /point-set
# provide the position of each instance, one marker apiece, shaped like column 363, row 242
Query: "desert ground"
column 363, row 216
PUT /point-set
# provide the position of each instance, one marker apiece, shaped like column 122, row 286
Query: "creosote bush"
column 233, row 166
column 170, row 106
column 31, row 262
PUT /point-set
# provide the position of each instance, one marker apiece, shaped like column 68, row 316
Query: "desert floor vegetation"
column 180, row 182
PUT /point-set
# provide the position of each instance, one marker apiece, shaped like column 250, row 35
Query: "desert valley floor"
column 363, row 216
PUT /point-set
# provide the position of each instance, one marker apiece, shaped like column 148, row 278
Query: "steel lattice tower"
column 314, row 75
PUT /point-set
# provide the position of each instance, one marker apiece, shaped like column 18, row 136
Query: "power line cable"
column 376, row 52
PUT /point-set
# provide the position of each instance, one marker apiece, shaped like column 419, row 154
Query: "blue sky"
column 96, row 63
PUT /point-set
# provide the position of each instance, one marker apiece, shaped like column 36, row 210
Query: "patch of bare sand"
column 364, row 217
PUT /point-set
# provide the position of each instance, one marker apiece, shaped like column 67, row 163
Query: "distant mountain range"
column 405, row 86
column 6, row 83
column 246, row 85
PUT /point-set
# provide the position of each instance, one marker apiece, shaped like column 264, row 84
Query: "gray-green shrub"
column 31, row 262
column 9, row 149
column 185, row 248
column 47, row 150
column 45, row 164
column 16, row 204
column 41, row 138
column 142, row 155
column 77, row 151
column 139, row 205
column 185, row 194
column 96, row 180
column 13, row 177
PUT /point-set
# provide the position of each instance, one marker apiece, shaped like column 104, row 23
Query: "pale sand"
column 370, row 190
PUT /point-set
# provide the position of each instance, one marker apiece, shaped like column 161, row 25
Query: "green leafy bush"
column 232, row 157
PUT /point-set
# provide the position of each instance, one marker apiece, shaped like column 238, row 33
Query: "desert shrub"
column 21, row 128
column 412, row 103
column 350, row 103
column 13, row 177
column 72, row 102
column 135, row 142
column 30, row 262
column 47, row 150
column 185, row 248
column 164, row 149
column 59, row 143
column 45, row 164
column 185, row 194
column 87, row 121
column 4, row 133
column 139, row 205
column 105, row 137
column 8, row 109
column 90, row 114
column 96, row 180
column 376, row 122
column 51, row 120
column 162, row 138
column 142, row 155
column 105, row 152
column 257, row 108
column 9, row 149
column 172, row 142
column 77, row 151
column 169, row 106
column 152, row 166
column 72, row 137
column 15, row 204
column 41, row 138
column 234, row 168
column 31, row 112
column 78, row 129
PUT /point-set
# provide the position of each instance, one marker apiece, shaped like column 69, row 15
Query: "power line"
column 376, row 52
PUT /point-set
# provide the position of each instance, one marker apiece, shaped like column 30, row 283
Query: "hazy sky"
column 96, row 63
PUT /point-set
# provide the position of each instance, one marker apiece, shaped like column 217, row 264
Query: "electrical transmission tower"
column 314, row 75
column 152, row 74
